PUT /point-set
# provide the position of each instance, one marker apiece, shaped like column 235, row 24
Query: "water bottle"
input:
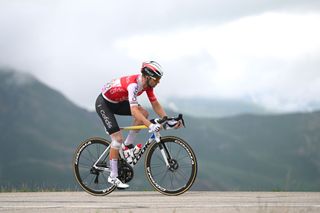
column 137, row 149
column 127, row 155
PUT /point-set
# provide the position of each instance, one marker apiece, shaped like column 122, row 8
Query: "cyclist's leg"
column 114, row 159
column 114, row 152
column 124, row 109
column 133, row 133
column 106, row 113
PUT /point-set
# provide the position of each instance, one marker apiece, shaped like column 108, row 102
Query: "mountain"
column 214, row 108
column 270, row 152
column 40, row 130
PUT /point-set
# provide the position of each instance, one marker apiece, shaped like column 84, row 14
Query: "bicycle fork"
column 163, row 149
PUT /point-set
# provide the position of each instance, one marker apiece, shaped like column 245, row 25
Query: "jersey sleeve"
column 132, row 94
column 152, row 97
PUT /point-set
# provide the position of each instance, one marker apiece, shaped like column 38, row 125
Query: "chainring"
column 125, row 171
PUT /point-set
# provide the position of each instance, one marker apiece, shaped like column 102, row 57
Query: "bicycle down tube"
column 154, row 137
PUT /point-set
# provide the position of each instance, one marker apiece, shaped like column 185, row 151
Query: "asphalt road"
column 151, row 202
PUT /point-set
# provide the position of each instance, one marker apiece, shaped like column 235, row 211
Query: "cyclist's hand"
column 155, row 127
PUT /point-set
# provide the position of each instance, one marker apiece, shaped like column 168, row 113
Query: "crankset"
column 125, row 171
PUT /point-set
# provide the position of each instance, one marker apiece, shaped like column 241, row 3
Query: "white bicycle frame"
column 155, row 136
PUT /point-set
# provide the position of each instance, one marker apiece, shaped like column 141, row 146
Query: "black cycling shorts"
column 106, row 111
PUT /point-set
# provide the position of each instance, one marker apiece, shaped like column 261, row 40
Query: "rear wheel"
column 93, row 180
column 182, row 171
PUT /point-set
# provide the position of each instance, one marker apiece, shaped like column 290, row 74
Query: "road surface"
column 152, row 202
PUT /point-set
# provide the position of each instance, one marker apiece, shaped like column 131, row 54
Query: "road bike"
column 170, row 163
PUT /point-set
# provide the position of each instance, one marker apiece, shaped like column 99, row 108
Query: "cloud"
column 262, row 56
column 233, row 49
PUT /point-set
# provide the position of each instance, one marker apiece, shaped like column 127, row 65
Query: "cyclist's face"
column 153, row 82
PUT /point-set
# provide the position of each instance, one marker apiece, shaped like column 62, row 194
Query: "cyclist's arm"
column 134, row 105
column 160, row 111
column 158, row 108
column 139, row 116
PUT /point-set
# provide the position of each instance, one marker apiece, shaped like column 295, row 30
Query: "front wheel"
column 181, row 173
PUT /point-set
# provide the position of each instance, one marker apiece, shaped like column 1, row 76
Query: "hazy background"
column 244, row 73
column 266, row 52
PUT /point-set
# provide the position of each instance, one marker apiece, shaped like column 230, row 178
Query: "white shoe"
column 117, row 183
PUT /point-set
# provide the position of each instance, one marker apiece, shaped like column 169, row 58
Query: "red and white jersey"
column 126, row 88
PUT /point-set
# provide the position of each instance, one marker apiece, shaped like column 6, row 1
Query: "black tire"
column 90, row 179
column 183, row 170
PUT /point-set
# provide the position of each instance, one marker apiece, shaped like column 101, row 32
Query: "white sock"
column 130, row 138
column 114, row 168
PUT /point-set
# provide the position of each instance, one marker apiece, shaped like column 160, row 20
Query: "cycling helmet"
column 152, row 69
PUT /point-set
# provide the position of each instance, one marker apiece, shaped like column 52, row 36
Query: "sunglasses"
column 155, row 79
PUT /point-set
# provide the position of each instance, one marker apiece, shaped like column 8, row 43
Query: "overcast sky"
column 265, row 51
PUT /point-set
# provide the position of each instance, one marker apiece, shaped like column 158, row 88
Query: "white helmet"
column 152, row 69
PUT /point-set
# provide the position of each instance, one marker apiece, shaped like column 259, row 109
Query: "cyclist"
column 120, row 97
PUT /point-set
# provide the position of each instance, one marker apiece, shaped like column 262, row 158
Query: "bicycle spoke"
column 86, row 176
column 171, row 180
column 85, row 158
column 82, row 165
column 182, row 174
column 180, row 159
column 161, row 172
column 177, row 156
column 165, row 174
column 98, row 150
column 156, row 165
column 91, row 156
column 184, row 166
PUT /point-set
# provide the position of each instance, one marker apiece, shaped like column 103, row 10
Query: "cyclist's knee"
column 117, row 140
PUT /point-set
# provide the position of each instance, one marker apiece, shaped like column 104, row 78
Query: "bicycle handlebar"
column 160, row 121
column 165, row 118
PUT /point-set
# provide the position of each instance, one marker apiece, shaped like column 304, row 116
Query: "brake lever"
column 180, row 117
column 159, row 121
column 162, row 120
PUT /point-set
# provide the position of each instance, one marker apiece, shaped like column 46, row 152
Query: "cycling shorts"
column 107, row 110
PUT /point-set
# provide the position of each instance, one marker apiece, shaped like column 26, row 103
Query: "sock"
column 130, row 138
column 114, row 168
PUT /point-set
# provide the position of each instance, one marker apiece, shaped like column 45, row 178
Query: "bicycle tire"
column 183, row 170
column 85, row 156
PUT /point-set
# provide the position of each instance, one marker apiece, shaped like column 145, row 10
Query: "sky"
column 266, row 52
